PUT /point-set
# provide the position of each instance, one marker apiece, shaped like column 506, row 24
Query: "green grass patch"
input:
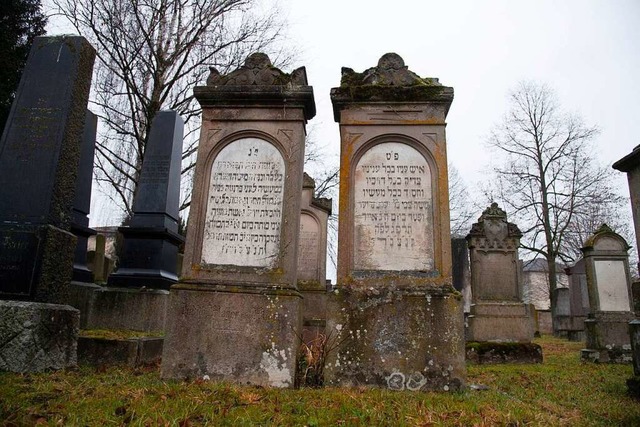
column 561, row 391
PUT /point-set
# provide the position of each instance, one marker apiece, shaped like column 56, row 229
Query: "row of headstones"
column 240, row 277
column 239, row 281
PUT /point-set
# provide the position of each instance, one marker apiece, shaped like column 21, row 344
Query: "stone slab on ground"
column 133, row 352
column 491, row 353
column 112, row 308
column 35, row 337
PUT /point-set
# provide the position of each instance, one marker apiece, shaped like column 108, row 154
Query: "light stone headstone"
column 240, row 263
column 312, row 259
column 608, row 281
column 498, row 312
column 394, row 306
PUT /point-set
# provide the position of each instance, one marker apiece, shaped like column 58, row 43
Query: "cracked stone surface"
column 35, row 337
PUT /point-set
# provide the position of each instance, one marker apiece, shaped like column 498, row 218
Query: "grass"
column 561, row 391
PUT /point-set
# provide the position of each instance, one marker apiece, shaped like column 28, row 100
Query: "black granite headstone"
column 39, row 157
column 459, row 262
column 82, row 201
column 151, row 241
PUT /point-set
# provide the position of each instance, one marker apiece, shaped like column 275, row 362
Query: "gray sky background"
column 587, row 50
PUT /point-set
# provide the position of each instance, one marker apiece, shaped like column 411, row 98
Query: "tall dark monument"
column 39, row 158
column 151, row 241
column 82, row 201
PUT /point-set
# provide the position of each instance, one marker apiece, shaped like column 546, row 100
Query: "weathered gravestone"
column 631, row 165
column 312, row 259
column 39, row 156
column 395, row 314
column 498, row 312
column 136, row 295
column 151, row 241
column 461, row 270
column 607, row 267
column 578, row 305
column 82, row 201
column 235, row 314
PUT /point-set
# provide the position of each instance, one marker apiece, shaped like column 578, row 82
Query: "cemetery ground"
column 561, row 391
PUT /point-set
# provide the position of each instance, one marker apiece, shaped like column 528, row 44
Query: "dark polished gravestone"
column 39, row 158
column 151, row 242
column 82, row 201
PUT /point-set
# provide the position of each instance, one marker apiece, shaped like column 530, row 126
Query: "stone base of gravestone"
column 635, row 293
column 544, row 322
column 493, row 353
column 238, row 334
column 395, row 339
column 120, row 308
column 133, row 352
column 39, row 258
column 139, row 243
column 633, row 383
column 502, row 322
column 607, row 337
column 314, row 309
column 35, row 337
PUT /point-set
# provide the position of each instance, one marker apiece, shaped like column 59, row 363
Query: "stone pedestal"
column 35, row 337
column 396, row 319
column 135, row 309
column 498, row 312
column 633, row 383
column 607, row 269
column 235, row 315
column 39, row 157
column 242, row 336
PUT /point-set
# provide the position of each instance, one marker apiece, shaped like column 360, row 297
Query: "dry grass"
column 562, row 391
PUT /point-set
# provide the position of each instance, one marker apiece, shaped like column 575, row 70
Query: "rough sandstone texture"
column 395, row 320
column 35, row 337
column 235, row 314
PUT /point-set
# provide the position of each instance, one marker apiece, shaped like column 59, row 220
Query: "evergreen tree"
column 20, row 22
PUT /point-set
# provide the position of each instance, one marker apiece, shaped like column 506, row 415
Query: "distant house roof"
column 540, row 264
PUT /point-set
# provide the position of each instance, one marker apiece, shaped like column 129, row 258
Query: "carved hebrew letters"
column 244, row 208
column 393, row 210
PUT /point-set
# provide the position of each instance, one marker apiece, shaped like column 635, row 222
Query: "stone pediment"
column 257, row 71
column 390, row 81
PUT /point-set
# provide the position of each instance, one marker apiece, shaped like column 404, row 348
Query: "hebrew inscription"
column 393, row 210
column 309, row 244
column 244, row 210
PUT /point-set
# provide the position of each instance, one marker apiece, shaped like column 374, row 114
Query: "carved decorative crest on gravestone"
column 497, row 310
column 240, row 264
column 394, row 247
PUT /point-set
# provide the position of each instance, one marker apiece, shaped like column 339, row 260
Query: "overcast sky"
column 587, row 50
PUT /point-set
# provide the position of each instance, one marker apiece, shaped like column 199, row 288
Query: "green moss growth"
column 118, row 334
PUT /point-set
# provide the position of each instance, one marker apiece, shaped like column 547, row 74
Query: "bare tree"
column 549, row 180
column 151, row 53
column 460, row 206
